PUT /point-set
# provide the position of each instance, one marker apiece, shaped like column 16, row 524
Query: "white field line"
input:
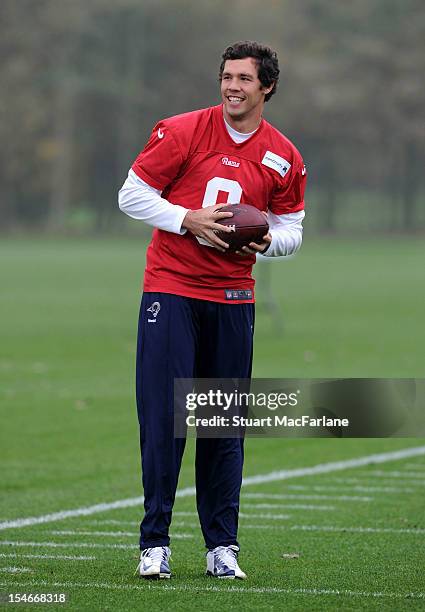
column 242, row 514
column 335, row 466
column 337, row 529
column 142, row 588
column 356, row 529
column 15, row 570
column 187, row 525
column 321, row 468
column 117, row 522
column 293, row 506
column 60, row 557
column 393, row 474
column 359, row 488
column 135, row 524
column 280, row 527
column 84, row 511
column 65, row 545
column 272, row 517
column 113, row 534
column 363, row 480
column 191, row 525
column 345, row 498
column 277, row 496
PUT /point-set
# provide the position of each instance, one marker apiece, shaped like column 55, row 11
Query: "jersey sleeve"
column 160, row 161
column 289, row 194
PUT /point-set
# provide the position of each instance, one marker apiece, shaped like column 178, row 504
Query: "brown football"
column 248, row 225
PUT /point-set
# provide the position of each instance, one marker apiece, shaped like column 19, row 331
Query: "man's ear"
column 267, row 89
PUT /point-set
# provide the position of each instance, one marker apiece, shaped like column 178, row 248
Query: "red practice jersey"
column 193, row 160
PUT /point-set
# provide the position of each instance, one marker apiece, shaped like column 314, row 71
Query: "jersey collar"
column 219, row 120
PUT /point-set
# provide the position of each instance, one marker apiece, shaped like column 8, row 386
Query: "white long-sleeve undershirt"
column 140, row 201
column 286, row 232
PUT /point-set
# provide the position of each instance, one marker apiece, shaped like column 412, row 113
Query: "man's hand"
column 203, row 223
column 253, row 248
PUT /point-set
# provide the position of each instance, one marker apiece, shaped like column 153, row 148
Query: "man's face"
column 242, row 91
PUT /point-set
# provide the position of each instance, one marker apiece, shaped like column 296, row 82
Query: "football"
column 248, row 225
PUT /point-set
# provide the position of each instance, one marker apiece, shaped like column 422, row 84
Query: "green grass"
column 68, row 317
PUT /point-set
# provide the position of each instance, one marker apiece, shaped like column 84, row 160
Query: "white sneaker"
column 154, row 563
column 222, row 562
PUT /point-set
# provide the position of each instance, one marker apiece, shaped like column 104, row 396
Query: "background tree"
column 83, row 83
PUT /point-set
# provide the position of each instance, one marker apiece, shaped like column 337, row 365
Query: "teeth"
column 234, row 99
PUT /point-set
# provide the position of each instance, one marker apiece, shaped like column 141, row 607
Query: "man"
column 189, row 325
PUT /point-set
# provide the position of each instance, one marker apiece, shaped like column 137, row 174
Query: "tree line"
column 84, row 82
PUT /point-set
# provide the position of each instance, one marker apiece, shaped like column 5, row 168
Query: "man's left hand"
column 253, row 248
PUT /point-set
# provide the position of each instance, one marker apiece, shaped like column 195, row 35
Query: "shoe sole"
column 208, row 573
column 155, row 576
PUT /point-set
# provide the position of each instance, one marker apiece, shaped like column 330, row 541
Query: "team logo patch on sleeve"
column 280, row 164
column 238, row 294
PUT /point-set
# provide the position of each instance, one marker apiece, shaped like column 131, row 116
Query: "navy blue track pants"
column 183, row 337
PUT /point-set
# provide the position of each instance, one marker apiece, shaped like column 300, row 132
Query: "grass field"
column 69, row 440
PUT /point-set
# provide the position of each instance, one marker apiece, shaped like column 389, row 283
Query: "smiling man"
column 197, row 310
column 243, row 93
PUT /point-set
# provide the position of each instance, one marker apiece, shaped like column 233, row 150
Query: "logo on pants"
column 154, row 309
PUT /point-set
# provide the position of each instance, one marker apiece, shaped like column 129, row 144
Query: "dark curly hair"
column 267, row 62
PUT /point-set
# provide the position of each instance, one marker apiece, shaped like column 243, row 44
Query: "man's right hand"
column 203, row 223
